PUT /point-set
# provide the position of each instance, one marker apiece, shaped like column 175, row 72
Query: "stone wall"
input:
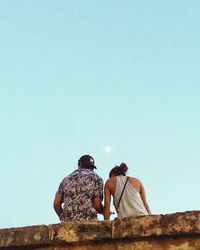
column 177, row 231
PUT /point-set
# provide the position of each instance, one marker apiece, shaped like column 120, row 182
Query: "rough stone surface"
column 81, row 231
column 24, row 236
column 179, row 231
column 157, row 225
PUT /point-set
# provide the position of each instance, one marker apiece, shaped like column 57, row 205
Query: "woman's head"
column 118, row 170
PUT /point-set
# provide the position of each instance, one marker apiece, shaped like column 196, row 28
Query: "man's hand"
column 97, row 204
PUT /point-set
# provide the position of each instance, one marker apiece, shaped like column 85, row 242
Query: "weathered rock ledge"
column 171, row 231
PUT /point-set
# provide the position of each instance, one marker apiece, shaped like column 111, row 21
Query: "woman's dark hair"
column 118, row 170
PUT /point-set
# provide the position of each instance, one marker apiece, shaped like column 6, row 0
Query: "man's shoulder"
column 99, row 177
column 69, row 176
column 93, row 175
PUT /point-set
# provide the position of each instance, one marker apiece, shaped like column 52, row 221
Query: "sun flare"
column 108, row 150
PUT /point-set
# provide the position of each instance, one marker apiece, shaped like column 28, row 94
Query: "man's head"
column 86, row 161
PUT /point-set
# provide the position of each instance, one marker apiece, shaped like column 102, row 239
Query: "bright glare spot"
column 108, row 149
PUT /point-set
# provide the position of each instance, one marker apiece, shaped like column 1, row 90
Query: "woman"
column 133, row 199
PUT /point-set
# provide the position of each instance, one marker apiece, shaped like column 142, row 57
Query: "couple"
column 80, row 194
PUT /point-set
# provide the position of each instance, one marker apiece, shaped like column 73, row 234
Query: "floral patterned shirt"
column 77, row 191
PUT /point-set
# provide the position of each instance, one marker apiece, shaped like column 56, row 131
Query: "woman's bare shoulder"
column 134, row 179
column 111, row 181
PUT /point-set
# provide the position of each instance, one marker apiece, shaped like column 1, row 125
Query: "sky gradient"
column 119, row 80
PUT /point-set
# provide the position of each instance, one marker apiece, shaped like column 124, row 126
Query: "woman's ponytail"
column 123, row 168
column 119, row 170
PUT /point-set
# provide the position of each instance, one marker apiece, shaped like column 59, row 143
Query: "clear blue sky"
column 77, row 77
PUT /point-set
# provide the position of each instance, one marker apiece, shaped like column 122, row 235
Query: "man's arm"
column 57, row 204
column 97, row 204
column 98, row 195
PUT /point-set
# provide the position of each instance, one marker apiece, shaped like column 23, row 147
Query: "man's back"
column 77, row 192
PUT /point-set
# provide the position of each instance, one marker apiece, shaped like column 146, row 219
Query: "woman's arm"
column 143, row 197
column 107, row 198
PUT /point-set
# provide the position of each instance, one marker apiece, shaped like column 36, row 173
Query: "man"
column 80, row 194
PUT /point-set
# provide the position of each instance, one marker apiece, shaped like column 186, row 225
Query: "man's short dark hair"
column 86, row 161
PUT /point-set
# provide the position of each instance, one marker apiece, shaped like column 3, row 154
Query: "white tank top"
column 131, row 203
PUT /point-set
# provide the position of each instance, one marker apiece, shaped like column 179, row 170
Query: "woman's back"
column 131, row 203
